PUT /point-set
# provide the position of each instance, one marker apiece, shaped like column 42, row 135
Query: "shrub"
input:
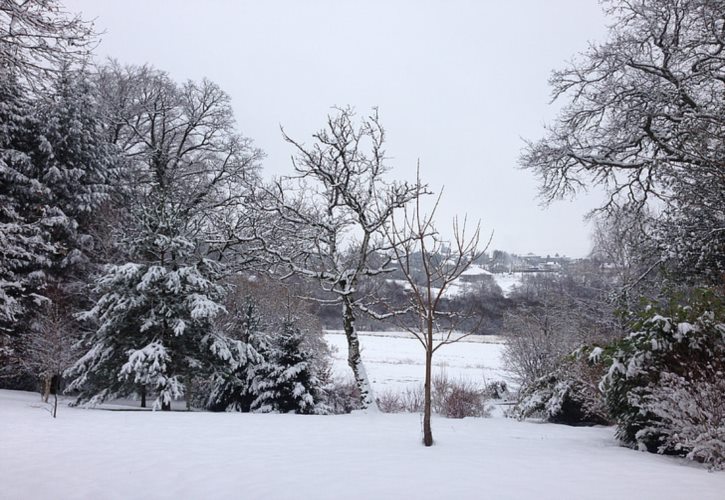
column 496, row 389
column 408, row 401
column 692, row 416
column 568, row 395
column 656, row 373
column 458, row 398
column 340, row 395
column 451, row 398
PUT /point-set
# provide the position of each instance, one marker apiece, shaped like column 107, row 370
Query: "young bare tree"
column 443, row 262
column 49, row 349
column 328, row 219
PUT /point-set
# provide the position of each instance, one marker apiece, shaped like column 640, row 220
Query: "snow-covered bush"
column 692, row 416
column 340, row 396
column 664, row 384
column 496, row 389
column 568, row 395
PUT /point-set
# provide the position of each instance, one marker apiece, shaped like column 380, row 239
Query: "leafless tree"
column 644, row 118
column 326, row 221
column 37, row 37
column 538, row 337
column 184, row 162
column 443, row 262
column 50, row 348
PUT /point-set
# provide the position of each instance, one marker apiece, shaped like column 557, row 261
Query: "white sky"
column 459, row 85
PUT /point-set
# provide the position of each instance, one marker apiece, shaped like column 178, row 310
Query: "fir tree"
column 56, row 165
column 286, row 382
column 26, row 249
column 231, row 391
column 155, row 333
column 183, row 168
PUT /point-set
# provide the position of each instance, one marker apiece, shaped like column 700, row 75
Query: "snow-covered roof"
column 475, row 271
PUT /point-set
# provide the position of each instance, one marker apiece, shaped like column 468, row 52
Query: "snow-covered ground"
column 99, row 453
column 394, row 360
column 93, row 454
column 508, row 281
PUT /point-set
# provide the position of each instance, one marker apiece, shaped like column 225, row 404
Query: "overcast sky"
column 459, row 85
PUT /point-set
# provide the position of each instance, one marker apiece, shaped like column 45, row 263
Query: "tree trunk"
column 166, row 406
column 354, row 359
column 143, row 396
column 427, row 431
column 46, row 387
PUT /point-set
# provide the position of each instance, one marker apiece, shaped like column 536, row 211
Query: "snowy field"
column 101, row 454
column 394, row 360
column 104, row 454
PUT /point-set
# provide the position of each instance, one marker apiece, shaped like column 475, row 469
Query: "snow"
column 394, row 360
column 100, row 453
column 508, row 281
column 475, row 270
column 135, row 454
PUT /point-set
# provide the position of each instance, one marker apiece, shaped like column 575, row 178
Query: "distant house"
column 475, row 274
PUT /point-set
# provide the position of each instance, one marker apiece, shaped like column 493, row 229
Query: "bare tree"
column 37, row 37
column 182, row 155
column 327, row 220
column 49, row 349
column 644, row 119
column 443, row 262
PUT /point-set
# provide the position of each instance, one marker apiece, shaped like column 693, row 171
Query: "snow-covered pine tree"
column 25, row 216
column 54, row 178
column 155, row 332
column 231, row 390
column 287, row 382
column 78, row 166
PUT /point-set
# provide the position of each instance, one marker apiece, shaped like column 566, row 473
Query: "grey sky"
column 458, row 84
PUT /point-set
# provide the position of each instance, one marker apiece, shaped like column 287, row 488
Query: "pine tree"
column 286, row 382
column 155, row 333
column 231, row 391
column 55, row 175
column 25, row 216
column 78, row 166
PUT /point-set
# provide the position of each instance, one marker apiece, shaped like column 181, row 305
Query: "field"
column 99, row 453
column 394, row 361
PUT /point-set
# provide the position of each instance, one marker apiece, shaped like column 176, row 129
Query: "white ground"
column 508, row 281
column 394, row 360
column 93, row 454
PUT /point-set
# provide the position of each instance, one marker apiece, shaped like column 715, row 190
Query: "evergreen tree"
column 286, row 382
column 78, row 166
column 56, row 165
column 155, row 333
column 25, row 214
column 231, row 391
